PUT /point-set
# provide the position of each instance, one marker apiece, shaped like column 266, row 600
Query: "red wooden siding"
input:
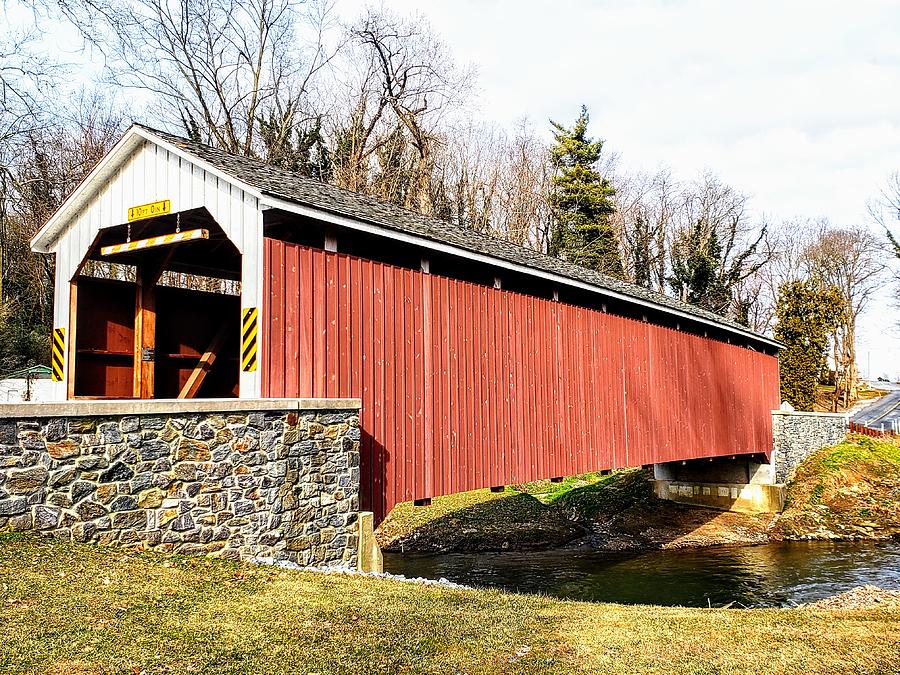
column 465, row 386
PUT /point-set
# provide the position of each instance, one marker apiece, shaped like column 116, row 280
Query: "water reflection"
column 770, row 575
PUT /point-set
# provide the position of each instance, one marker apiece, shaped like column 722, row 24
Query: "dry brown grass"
column 80, row 609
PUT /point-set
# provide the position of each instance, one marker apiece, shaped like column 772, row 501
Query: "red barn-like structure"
column 184, row 271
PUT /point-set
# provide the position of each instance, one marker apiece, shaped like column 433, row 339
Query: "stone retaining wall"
column 797, row 435
column 280, row 483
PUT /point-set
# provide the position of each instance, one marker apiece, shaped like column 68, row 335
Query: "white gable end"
column 142, row 169
column 153, row 173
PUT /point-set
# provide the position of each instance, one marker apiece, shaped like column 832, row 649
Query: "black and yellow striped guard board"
column 249, row 331
column 58, row 354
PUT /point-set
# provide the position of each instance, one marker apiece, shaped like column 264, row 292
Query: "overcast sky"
column 796, row 102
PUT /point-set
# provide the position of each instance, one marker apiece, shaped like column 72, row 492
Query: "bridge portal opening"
column 156, row 308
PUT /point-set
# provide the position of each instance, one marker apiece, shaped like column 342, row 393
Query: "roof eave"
column 43, row 240
column 277, row 201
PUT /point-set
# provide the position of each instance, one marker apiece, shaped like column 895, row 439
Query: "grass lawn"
column 476, row 521
column 75, row 608
column 537, row 515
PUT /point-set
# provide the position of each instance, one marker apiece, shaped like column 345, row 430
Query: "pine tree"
column 695, row 277
column 299, row 149
column 895, row 245
column 807, row 315
column 581, row 200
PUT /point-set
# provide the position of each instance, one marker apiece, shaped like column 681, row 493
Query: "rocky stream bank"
column 845, row 492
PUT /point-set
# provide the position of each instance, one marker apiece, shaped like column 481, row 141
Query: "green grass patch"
column 607, row 495
column 815, row 496
column 75, row 608
column 529, row 516
column 858, row 450
column 548, row 491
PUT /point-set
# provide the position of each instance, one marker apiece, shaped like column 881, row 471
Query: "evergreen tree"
column 191, row 128
column 807, row 314
column 300, row 149
column 581, row 200
column 895, row 245
column 695, row 277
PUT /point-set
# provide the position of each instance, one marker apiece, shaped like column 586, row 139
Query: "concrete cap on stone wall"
column 801, row 413
column 84, row 408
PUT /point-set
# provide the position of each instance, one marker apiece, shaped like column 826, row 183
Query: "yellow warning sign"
column 151, row 210
column 58, row 354
column 249, row 331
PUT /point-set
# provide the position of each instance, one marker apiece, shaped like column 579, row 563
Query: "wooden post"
column 144, row 336
column 70, row 346
column 148, row 273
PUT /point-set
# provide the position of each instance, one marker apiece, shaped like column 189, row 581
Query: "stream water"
column 772, row 575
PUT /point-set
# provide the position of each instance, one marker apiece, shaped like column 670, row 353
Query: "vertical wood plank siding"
column 465, row 386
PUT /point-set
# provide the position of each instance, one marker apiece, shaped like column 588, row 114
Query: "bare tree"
column 467, row 169
column 216, row 67
column 715, row 246
column 786, row 243
column 417, row 82
column 522, row 207
column 25, row 76
column 850, row 259
column 496, row 183
column 49, row 161
column 646, row 206
column 885, row 212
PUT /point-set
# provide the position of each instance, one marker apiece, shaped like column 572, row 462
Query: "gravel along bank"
column 861, row 597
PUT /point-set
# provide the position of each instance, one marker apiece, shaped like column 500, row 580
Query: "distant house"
column 28, row 384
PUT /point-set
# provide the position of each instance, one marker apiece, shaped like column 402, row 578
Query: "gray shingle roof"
column 294, row 188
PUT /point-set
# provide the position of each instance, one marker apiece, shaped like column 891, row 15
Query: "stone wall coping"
column 803, row 413
column 85, row 408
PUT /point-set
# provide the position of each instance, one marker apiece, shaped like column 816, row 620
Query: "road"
column 884, row 411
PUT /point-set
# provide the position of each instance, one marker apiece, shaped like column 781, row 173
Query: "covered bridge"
column 184, row 271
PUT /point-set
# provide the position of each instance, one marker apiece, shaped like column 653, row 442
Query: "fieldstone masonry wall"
column 796, row 435
column 275, row 483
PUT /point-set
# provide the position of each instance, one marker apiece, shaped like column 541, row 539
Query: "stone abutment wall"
column 797, row 435
column 236, row 479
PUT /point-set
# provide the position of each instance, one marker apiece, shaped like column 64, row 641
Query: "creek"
column 772, row 575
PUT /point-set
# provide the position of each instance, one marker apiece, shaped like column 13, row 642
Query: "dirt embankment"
column 616, row 512
column 850, row 491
